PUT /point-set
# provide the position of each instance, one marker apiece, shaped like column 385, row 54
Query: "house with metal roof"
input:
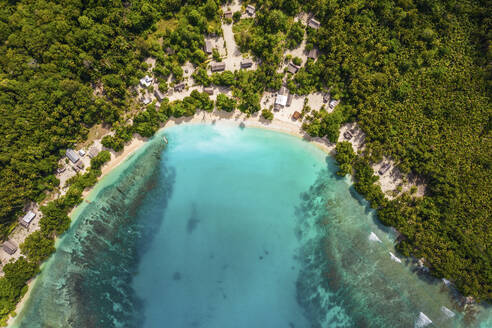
column 292, row 68
column 312, row 54
column 146, row 81
column 9, row 247
column 384, row 169
column 179, row 87
column 208, row 47
column 93, row 152
column 313, row 23
column 146, row 100
column 26, row 220
column 250, row 10
column 280, row 101
column 334, row 103
column 246, row 63
column 217, row 67
column 289, row 99
column 72, row 155
column 159, row 95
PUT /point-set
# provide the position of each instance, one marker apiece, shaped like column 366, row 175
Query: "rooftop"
column 146, row 81
column 313, row 54
column 291, row 68
column 250, row 9
column 29, row 217
column 313, row 23
column 281, row 100
column 72, row 155
column 215, row 67
column 208, row 47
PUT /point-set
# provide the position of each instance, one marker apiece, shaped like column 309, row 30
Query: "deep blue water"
column 230, row 227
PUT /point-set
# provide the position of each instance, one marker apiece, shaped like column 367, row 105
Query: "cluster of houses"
column 75, row 156
column 282, row 99
column 146, row 82
column 220, row 66
column 250, row 11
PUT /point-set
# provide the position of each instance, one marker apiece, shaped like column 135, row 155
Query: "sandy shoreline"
column 242, row 120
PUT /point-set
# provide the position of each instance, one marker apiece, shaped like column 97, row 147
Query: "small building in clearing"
column 326, row 97
column 333, row 103
column 228, row 14
column 72, row 155
column 93, row 152
column 246, row 63
column 217, row 67
column 159, row 95
column 312, row 54
column 9, row 247
column 146, row 81
column 291, row 68
column 208, row 90
column 208, row 47
column 146, row 100
column 289, row 100
column 26, row 220
column 250, row 10
column 280, row 101
column 313, row 23
column 296, row 116
column 179, row 87
column 81, row 153
column 384, row 169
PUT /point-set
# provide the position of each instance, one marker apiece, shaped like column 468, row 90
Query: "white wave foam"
column 422, row 321
column 447, row 312
column 394, row 258
column 374, row 237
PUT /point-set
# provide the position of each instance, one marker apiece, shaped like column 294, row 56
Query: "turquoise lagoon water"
column 230, row 227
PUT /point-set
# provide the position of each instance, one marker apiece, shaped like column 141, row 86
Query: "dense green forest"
column 415, row 75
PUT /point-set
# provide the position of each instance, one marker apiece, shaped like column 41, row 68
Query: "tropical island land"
column 400, row 91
